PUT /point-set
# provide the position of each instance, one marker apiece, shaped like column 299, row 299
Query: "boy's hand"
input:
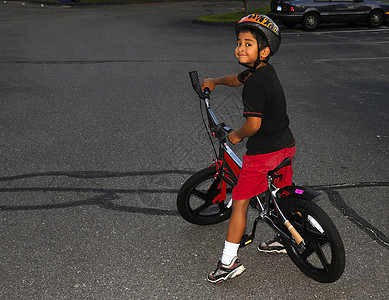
column 250, row 127
column 233, row 137
column 209, row 83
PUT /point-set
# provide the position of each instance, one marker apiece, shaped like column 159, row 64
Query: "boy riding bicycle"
column 266, row 127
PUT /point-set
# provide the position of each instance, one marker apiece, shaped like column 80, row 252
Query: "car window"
column 341, row 0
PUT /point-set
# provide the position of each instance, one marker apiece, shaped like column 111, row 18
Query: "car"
column 310, row 13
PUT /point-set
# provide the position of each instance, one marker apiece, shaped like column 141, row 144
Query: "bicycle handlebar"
column 219, row 130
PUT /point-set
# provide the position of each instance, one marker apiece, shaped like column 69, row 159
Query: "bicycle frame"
column 229, row 166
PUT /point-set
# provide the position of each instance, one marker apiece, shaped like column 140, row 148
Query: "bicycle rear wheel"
column 196, row 199
column 323, row 258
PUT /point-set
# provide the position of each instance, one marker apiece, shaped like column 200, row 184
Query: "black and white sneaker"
column 224, row 272
column 273, row 246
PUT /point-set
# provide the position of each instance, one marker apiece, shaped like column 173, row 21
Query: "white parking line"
column 352, row 59
column 333, row 32
column 337, row 43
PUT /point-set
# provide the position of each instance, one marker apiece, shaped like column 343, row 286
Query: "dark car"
column 310, row 13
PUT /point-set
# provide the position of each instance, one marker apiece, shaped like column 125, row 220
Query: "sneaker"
column 224, row 272
column 273, row 246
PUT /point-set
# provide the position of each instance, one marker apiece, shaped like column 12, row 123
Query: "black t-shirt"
column 263, row 97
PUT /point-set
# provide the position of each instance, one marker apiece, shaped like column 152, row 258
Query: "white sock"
column 229, row 252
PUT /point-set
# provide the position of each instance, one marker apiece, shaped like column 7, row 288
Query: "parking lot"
column 100, row 128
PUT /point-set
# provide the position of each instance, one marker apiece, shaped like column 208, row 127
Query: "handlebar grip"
column 207, row 92
column 196, row 85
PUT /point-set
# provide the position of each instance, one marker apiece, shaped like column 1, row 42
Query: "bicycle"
column 310, row 237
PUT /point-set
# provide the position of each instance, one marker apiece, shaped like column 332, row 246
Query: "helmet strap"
column 255, row 65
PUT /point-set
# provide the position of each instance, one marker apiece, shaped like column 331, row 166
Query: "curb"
column 209, row 23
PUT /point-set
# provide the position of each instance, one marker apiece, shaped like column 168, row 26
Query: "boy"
column 266, row 127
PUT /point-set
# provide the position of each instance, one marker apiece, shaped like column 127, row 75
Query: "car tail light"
column 291, row 8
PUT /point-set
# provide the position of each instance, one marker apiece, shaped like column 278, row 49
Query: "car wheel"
column 311, row 21
column 376, row 18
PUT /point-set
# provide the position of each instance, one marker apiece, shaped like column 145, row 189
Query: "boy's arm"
column 249, row 128
column 229, row 80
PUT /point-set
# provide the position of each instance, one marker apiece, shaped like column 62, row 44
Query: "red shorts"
column 253, row 175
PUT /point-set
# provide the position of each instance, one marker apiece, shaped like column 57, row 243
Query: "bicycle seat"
column 286, row 162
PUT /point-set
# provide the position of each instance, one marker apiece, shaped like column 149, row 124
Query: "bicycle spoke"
column 307, row 252
column 313, row 239
column 201, row 194
column 304, row 223
column 320, row 254
column 202, row 207
column 210, row 192
column 317, row 236
column 306, row 231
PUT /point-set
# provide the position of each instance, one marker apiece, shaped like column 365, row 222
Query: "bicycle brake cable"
column 207, row 129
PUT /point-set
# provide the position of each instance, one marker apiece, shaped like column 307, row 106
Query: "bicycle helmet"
column 266, row 28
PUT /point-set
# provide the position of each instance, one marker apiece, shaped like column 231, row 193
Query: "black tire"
column 323, row 258
column 375, row 19
column 195, row 199
column 311, row 21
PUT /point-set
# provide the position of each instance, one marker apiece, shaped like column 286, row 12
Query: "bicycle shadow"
column 106, row 197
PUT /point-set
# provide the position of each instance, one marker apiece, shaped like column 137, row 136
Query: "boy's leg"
column 236, row 228
column 230, row 266
column 276, row 245
column 237, row 224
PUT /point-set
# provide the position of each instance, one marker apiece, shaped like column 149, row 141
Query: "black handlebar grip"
column 207, row 91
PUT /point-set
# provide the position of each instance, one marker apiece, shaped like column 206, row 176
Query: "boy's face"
column 246, row 50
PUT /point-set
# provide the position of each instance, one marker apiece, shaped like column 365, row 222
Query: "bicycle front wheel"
column 197, row 200
column 323, row 258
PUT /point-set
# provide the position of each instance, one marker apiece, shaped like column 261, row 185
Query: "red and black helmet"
column 264, row 26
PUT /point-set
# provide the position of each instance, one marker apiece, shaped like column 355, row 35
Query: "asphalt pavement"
column 100, row 127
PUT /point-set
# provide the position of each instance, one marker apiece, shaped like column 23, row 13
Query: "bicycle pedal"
column 246, row 239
